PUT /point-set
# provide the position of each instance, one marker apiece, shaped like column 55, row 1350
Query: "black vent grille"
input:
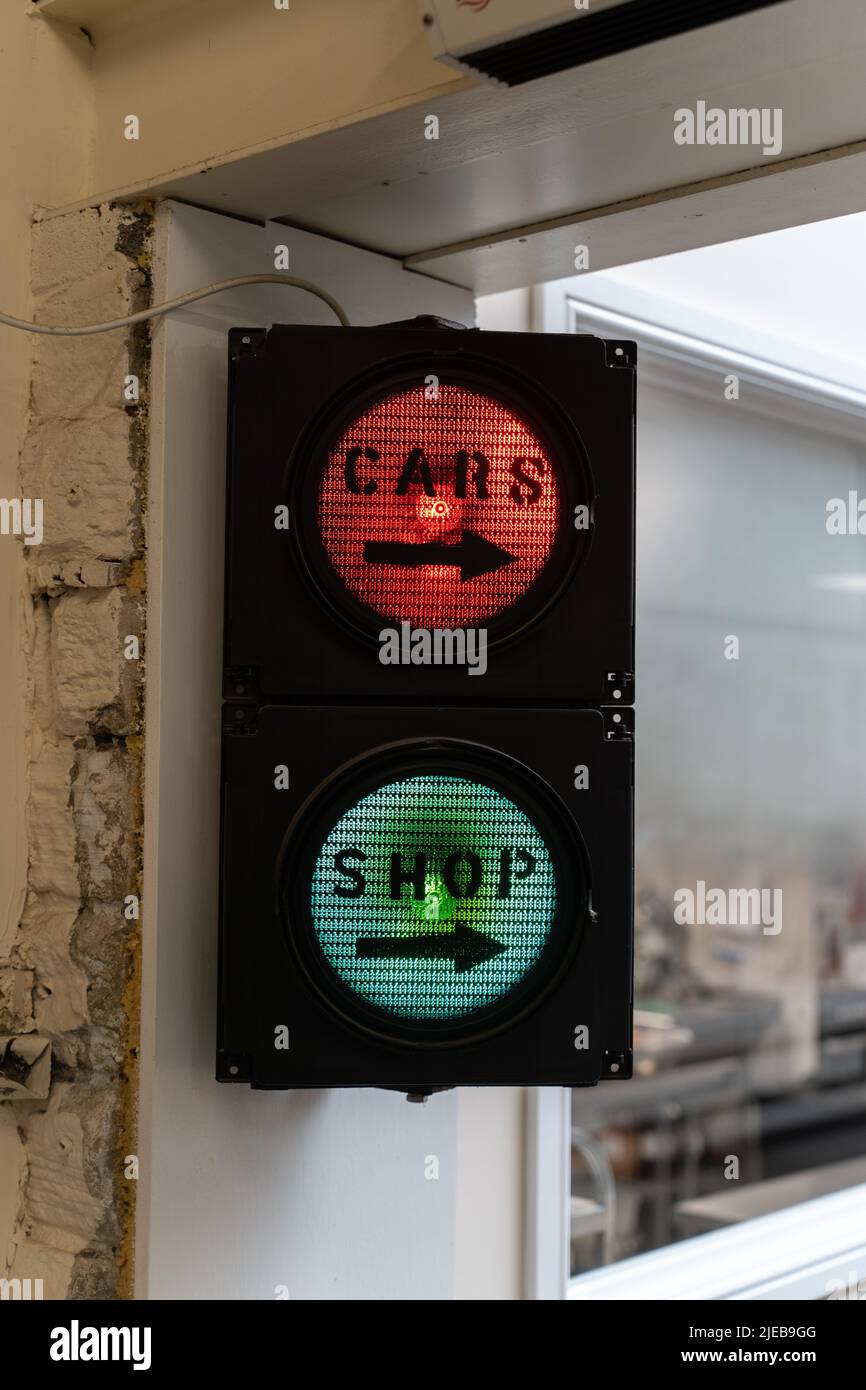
column 593, row 36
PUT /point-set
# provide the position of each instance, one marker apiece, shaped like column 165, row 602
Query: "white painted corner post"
column 243, row 1194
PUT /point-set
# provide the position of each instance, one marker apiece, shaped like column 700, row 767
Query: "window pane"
column 750, row 978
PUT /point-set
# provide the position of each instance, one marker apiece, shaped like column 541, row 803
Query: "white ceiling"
column 590, row 151
column 602, row 134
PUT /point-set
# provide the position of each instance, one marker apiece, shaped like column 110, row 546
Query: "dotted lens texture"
column 479, row 925
column 467, row 464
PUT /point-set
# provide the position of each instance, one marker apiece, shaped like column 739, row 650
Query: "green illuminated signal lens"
column 433, row 897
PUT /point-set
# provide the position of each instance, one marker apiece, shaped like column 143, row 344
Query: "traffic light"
column 427, row 878
column 414, row 479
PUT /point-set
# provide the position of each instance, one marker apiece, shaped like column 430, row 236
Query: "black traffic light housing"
column 292, row 631
column 286, row 1018
column 474, row 946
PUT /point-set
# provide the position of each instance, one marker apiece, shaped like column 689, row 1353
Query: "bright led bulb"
column 433, row 897
column 441, row 513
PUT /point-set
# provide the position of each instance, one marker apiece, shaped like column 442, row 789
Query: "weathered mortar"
column 70, row 975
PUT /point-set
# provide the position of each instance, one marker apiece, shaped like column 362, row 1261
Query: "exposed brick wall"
column 69, row 978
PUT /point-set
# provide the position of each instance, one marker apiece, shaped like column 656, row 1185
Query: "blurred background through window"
column 750, row 972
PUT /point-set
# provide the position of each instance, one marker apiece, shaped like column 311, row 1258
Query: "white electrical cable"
column 178, row 303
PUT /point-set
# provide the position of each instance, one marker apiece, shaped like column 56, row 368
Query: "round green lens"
column 433, row 897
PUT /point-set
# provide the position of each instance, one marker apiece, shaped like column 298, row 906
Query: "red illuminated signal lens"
column 438, row 507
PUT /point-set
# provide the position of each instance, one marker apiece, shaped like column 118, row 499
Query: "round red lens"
column 438, row 506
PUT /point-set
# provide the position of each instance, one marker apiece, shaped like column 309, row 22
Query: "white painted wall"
column 12, row 1171
column 508, row 312
column 242, row 1191
column 490, row 1186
